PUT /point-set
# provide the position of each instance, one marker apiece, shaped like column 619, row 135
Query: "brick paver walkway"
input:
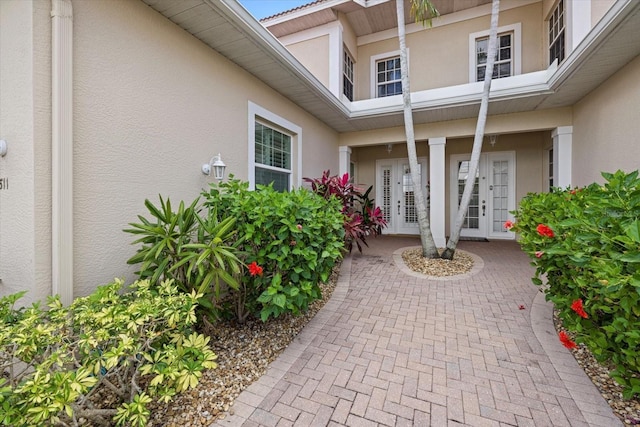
column 393, row 348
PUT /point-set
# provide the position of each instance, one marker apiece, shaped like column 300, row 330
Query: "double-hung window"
column 503, row 66
column 388, row 77
column 272, row 157
column 347, row 76
column 556, row 33
column 508, row 59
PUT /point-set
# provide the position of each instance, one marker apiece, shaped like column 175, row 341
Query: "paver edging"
column 478, row 265
column 279, row 367
column 587, row 398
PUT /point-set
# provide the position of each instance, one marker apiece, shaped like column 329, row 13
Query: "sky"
column 263, row 8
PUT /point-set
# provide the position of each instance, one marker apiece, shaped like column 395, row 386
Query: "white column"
column 344, row 160
column 437, row 187
column 335, row 59
column 562, row 139
column 578, row 22
column 62, row 149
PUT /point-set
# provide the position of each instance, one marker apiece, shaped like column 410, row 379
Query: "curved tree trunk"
column 429, row 249
column 479, row 136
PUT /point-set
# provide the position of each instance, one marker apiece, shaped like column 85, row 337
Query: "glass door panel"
column 472, row 219
column 408, row 208
column 395, row 194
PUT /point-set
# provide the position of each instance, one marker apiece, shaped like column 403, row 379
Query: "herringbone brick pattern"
column 392, row 348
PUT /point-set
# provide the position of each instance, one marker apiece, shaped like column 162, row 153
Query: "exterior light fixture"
column 389, row 148
column 217, row 165
column 493, row 138
column 3, row 147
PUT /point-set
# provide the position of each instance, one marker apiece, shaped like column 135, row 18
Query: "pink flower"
column 299, row 226
column 577, row 307
column 539, row 254
column 508, row 225
column 566, row 341
column 255, row 269
column 544, row 230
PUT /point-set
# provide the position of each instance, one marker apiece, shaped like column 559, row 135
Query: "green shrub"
column 59, row 364
column 585, row 245
column 194, row 250
column 292, row 240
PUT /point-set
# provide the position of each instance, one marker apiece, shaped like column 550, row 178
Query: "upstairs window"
column 272, row 157
column 508, row 53
column 556, row 33
column 388, row 77
column 503, row 66
column 347, row 76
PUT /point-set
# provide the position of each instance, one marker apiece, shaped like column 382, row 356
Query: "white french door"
column 493, row 194
column 395, row 194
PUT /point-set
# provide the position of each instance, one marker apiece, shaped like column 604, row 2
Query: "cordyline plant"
column 362, row 217
column 60, row 365
column 585, row 245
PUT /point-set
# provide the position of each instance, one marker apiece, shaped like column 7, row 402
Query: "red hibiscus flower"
column 255, row 269
column 577, row 307
column 539, row 254
column 508, row 225
column 566, row 341
column 544, row 230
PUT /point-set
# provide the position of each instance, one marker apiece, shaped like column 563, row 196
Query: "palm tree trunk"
column 479, row 136
column 429, row 249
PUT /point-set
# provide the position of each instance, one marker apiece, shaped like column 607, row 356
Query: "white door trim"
column 395, row 225
column 485, row 193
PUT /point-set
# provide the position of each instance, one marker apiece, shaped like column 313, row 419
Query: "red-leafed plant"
column 362, row 217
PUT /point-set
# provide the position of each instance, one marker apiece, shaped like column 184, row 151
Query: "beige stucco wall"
column 606, row 128
column 314, row 55
column 151, row 105
column 598, row 9
column 146, row 123
column 349, row 38
column 439, row 56
column 25, row 207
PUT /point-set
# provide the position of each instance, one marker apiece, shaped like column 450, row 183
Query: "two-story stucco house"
column 106, row 103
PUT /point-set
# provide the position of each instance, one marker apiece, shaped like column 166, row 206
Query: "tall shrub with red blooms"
column 585, row 245
column 361, row 217
column 289, row 241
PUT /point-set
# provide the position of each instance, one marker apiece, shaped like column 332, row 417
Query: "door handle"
column 484, row 208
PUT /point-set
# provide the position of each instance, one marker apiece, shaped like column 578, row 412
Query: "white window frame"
column 265, row 117
column 351, row 78
column 552, row 38
column 516, row 45
column 374, row 68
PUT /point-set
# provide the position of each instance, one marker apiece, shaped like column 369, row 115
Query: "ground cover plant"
column 361, row 217
column 103, row 358
column 585, row 245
